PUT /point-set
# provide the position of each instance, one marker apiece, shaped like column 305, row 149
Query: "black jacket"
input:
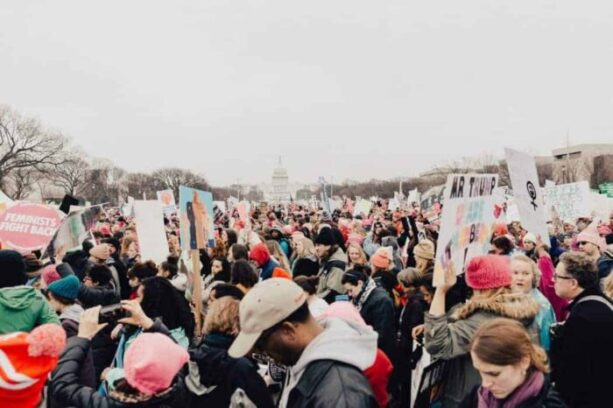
column 581, row 356
column 328, row 383
column 378, row 312
column 547, row 398
column 214, row 376
column 68, row 392
column 412, row 315
column 95, row 296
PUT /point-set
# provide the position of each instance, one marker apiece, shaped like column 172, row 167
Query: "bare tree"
column 24, row 144
column 72, row 174
column 172, row 178
column 20, row 182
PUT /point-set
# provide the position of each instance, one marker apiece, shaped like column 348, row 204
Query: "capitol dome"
column 280, row 184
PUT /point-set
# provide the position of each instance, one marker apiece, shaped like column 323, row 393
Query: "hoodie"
column 24, row 308
column 341, row 341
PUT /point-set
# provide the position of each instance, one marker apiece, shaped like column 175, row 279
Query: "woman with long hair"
column 513, row 369
column 356, row 256
column 276, row 252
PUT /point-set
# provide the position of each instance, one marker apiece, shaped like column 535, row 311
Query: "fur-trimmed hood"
column 516, row 306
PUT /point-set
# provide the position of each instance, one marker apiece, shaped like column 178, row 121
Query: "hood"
column 339, row 255
column 72, row 312
column 343, row 341
column 209, row 364
column 19, row 297
column 516, row 306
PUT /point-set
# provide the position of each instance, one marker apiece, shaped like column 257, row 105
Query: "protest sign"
column 219, row 210
column 528, row 195
column 414, row 196
column 569, row 201
column 167, row 199
column 28, row 227
column 466, row 222
column 197, row 230
column 393, row 204
column 73, row 230
column 67, row 202
column 601, row 206
column 150, row 229
column 243, row 212
column 362, row 207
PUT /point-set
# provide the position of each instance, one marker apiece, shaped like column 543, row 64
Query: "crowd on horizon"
column 305, row 308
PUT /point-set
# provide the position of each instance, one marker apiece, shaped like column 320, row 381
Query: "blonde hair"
column 308, row 247
column 275, row 250
column 222, row 317
column 360, row 250
column 608, row 285
column 536, row 273
column 505, row 342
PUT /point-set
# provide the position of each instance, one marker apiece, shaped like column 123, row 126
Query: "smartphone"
column 110, row 314
column 341, row 298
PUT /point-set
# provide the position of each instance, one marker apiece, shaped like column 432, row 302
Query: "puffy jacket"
column 581, row 355
column 547, row 398
column 23, row 308
column 448, row 337
column 378, row 312
column 68, row 392
column 329, row 372
column 214, row 376
column 330, row 276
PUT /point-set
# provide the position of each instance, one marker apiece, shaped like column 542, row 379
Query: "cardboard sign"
column 74, row 230
column 569, row 201
column 466, row 221
column 150, row 229
column 167, row 199
column 528, row 195
column 197, row 229
column 27, row 227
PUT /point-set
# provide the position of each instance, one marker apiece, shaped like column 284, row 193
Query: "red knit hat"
column 488, row 272
column 26, row 359
column 260, row 254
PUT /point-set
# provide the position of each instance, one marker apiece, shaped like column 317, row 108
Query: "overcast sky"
column 345, row 89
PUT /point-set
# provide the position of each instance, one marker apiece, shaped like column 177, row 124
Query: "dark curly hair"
column 161, row 299
column 581, row 268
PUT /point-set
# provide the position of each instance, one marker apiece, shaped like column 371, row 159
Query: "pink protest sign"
column 27, row 227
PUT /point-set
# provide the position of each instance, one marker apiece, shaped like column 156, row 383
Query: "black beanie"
column 325, row 237
column 12, row 269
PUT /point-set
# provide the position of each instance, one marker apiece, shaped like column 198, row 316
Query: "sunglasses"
column 581, row 243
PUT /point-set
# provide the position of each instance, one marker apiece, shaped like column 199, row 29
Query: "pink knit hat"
column 590, row 234
column 488, row 272
column 50, row 275
column 343, row 310
column 381, row 258
column 149, row 371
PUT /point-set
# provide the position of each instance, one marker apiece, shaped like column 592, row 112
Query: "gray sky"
column 342, row 88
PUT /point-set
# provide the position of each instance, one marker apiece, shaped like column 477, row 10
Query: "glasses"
column 556, row 277
column 581, row 243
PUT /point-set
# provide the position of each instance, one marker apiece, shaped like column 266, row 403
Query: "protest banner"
column 601, row 206
column 362, row 207
column 167, row 199
column 219, row 209
column 569, row 201
column 150, row 230
column 414, row 196
column 74, row 229
column 27, row 227
column 197, row 230
column 466, row 221
column 528, row 195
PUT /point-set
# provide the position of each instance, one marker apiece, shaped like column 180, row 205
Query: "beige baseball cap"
column 268, row 303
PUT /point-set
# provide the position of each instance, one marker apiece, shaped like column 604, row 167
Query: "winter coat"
column 23, row 308
column 448, row 337
column 605, row 264
column 329, row 372
column 267, row 269
column 330, row 276
column 581, row 355
column 122, row 273
column 67, row 391
column 378, row 312
column 545, row 318
column 69, row 319
column 547, row 398
column 214, row 376
column 412, row 315
column 378, row 376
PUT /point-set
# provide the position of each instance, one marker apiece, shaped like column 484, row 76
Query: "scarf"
column 529, row 389
column 364, row 293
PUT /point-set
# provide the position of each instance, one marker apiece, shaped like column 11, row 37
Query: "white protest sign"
column 167, row 198
column 414, row 196
column 362, row 206
column 393, row 204
column 570, row 201
column 150, row 229
column 528, row 195
column 466, row 223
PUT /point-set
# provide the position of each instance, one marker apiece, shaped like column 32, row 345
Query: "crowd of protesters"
column 305, row 308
